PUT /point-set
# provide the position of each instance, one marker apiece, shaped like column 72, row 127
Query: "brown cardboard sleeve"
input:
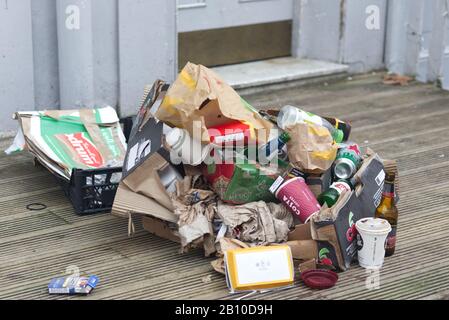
column 303, row 249
column 127, row 201
column 159, row 228
column 301, row 232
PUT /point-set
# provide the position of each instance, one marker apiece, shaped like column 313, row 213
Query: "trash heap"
column 262, row 191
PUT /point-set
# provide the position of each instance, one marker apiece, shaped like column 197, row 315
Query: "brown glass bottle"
column 387, row 210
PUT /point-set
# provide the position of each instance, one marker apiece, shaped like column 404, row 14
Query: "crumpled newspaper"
column 226, row 244
column 195, row 208
column 259, row 222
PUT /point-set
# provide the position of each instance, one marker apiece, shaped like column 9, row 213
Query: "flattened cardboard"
column 141, row 189
column 159, row 228
column 127, row 201
column 301, row 232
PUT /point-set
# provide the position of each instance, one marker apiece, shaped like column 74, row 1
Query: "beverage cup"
column 298, row 198
column 373, row 233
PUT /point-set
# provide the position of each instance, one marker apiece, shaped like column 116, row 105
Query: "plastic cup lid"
column 373, row 226
column 287, row 116
column 319, row 279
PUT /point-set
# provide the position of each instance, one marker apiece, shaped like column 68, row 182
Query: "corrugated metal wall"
column 418, row 39
column 82, row 53
column 49, row 59
column 344, row 31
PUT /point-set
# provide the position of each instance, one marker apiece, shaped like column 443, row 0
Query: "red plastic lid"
column 319, row 279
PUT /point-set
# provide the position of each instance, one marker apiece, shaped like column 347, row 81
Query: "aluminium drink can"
column 347, row 162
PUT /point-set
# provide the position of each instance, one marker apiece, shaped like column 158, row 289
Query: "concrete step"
column 277, row 71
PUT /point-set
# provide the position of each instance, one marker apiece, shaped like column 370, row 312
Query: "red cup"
column 296, row 195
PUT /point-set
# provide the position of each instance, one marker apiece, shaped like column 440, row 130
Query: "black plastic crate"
column 93, row 190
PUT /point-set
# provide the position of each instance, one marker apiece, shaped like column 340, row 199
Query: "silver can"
column 344, row 168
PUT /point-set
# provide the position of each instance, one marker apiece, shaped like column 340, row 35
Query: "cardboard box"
column 160, row 228
column 336, row 225
column 147, row 172
column 305, row 249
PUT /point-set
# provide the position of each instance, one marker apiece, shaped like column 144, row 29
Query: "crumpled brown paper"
column 200, row 96
column 195, row 209
column 224, row 245
column 311, row 147
column 256, row 222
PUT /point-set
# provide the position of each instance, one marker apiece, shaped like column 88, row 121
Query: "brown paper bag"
column 311, row 147
column 198, row 94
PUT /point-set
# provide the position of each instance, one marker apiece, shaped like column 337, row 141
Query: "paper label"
column 276, row 184
column 341, row 186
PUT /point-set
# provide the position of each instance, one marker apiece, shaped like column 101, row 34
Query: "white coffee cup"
column 374, row 233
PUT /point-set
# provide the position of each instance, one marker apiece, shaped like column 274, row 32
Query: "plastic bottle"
column 290, row 115
column 189, row 150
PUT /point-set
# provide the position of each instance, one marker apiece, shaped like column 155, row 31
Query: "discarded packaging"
column 336, row 225
column 72, row 285
column 199, row 95
column 238, row 207
column 259, row 222
column 289, row 116
column 259, row 268
column 63, row 140
column 348, row 161
column 242, row 182
column 373, row 234
column 319, row 279
column 311, row 147
column 296, row 196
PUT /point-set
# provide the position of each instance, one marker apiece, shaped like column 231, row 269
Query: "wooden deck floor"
column 410, row 124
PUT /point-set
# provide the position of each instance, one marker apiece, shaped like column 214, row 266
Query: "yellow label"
column 259, row 268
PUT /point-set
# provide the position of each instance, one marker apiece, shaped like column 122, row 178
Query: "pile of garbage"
column 263, row 191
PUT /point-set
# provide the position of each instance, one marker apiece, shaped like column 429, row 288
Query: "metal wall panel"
column 318, row 29
column 445, row 58
column 363, row 34
column 336, row 30
column 82, row 53
column 417, row 39
column 16, row 60
column 45, row 54
column 147, row 48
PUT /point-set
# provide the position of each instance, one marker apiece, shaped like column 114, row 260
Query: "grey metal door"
column 194, row 15
column 216, row 32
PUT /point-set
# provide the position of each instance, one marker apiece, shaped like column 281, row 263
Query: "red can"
column 296, row 195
